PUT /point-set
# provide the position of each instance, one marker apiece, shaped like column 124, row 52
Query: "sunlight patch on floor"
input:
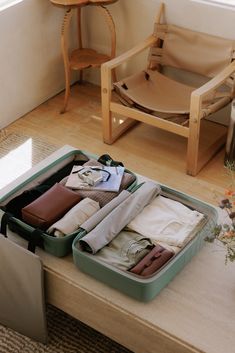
column 15, row 163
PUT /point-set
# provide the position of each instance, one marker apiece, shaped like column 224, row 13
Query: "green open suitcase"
column 56, row 246
column 140, row 288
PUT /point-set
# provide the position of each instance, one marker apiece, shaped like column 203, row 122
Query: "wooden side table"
column 83, row 58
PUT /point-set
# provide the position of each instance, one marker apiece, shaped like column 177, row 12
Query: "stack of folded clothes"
column 144, row 232
column 103, row 197
column 59, row 210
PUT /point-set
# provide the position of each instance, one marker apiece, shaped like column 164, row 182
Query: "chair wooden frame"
column 199, row 107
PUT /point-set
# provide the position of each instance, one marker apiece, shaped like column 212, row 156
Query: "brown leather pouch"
column 50, row 207
column 153, row 261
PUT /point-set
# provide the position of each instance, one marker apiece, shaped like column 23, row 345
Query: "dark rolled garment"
column 153, row 261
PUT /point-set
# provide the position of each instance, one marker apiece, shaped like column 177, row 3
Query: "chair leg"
column 106, row 92
column 107, row 120
column 193, row 145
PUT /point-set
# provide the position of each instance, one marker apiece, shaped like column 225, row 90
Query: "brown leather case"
column 153, row 261
column 50, row 207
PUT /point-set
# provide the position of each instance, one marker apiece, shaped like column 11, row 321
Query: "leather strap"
column 107, row 160
column 35, row 240
column 4, row 222
column 35, row 237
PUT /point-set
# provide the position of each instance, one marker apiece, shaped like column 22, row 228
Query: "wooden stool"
column 83, row 58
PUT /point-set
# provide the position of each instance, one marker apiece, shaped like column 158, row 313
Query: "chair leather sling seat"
column 155, row 92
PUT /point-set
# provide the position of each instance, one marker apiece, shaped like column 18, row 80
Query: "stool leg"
column 79, row 29
column 111, row 25
column 64, row 48
column 67, row 90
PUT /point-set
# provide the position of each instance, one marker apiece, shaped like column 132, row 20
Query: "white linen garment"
column 116, row 220
column 74, row 218
column 168, row 221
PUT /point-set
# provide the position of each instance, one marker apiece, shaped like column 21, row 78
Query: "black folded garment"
column 15, row 206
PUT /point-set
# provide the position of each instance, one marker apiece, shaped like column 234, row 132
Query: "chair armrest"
column 215, row 82
column 109, row 65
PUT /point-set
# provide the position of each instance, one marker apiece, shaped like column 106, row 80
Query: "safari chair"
column 156, row 97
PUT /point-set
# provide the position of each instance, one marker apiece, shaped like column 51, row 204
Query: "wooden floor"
column 144, row 149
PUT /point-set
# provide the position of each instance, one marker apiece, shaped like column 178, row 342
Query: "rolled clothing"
column 117, row 219
column 74, row 218
column 103, row 197
column 92, row 222
column 153, row 261
column 125, row 250
column 168, row 221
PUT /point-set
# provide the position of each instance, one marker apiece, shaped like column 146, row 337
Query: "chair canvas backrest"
column 192, row 51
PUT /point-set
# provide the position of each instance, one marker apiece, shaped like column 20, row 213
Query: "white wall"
column 31, row 67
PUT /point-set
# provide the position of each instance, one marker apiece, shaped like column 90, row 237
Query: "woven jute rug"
column 65, row 334
column 40, row 148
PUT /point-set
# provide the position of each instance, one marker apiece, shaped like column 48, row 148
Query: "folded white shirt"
column 74, row 218
column 168, row 221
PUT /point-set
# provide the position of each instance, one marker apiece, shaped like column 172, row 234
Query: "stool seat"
column 84, row 58
column 81, row 2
